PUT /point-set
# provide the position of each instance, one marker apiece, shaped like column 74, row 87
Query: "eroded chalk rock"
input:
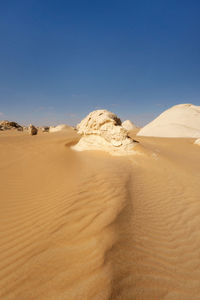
column 32, row 130
column 45, row 129
column 102, row 130
column 7, row 125
column 128, row 125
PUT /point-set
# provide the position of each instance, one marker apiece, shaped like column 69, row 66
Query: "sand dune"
column 86, row 225
column 181, row 120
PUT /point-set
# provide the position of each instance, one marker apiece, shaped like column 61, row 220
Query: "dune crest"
column 181, row 120
column 102, row 130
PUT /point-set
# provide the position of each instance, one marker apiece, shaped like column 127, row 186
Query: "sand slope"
column 86, row 225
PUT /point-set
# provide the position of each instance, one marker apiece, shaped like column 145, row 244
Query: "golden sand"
column 89, row 226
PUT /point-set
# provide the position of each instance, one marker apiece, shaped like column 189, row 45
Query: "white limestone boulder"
column 102, row 130
column 7, row 125
column 32, row 130
column 45, row 129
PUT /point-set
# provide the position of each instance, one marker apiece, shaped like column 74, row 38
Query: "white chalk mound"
column 102, row 130
column 181, row 120
column 58, row 128
column 128, row 125
column 197, row 142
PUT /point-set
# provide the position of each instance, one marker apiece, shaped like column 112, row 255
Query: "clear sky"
column 61, row 59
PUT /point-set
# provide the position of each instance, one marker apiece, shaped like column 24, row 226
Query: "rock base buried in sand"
column 32, row 130
column 197, row 142
column 102, row 130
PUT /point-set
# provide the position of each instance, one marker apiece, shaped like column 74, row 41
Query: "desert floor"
column 87, row 225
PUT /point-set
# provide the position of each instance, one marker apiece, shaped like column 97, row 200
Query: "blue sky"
column 61, row 59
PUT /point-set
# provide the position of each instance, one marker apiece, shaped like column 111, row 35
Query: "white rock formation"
column 102, row 130
column 32, row 130
column 60, row 127
column 6, row 125
column 181, row 120
column 45, row 129
column 197, row 142
column 128, row 125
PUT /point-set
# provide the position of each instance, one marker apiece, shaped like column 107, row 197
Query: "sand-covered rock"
column 197, row 142
column 128, row 125
column 6, row 125
column 102, row 130
column 58, row 128
column 181, row 120
column 32, row 130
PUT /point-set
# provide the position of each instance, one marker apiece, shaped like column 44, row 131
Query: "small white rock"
column 128, row 125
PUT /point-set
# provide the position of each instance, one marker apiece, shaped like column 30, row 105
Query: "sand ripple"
column 91, row 226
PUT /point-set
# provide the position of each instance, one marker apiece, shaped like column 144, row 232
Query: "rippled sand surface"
column 86, row 225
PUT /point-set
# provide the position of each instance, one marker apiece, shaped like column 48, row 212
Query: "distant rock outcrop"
column 7, row 125
column 128, row 125
column 32, row 130
column 58, row 128
column 102, row 130
column 181, row 120
column 45, row 129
